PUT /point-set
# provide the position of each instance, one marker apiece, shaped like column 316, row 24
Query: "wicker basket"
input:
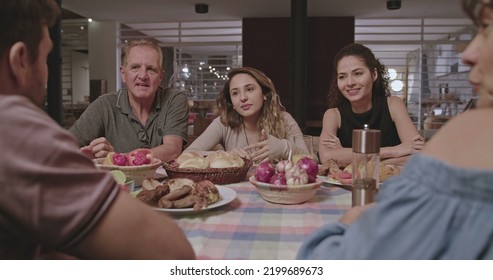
column 136, row 172
column 219, row 176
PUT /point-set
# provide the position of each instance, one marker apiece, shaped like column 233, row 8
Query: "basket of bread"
column 219, row 167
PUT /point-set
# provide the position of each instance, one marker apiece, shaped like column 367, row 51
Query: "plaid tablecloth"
column 251, row 228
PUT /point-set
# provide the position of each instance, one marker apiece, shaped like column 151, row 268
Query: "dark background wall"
column 267, row 47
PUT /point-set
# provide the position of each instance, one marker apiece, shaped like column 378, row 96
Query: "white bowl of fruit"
column 136, row 165
column 287, row 182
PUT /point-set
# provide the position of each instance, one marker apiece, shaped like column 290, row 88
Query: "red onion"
column 278, row 179
column 264, row 172
column 309, row 165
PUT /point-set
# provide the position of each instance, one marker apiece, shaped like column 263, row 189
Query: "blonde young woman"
column 252, row 123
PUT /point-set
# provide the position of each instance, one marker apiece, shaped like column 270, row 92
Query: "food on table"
column 136, row 157
column 219, row 159
column 296, row 176
column 332, row 169
column 330, row 166
column 179, row 182
column 343, row 177
column 178, row 193
column 124, row 182
column 196, row 162
column 223, row 159
column 297, row 157
column 119, row 176
column 187, row 155
column 310, row 166
column 278, row 179
column 286, row 172
column 185, row 194
column 152, row 196
column 140, row 157
column 264, row 171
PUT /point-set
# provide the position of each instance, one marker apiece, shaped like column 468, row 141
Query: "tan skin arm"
column 132, row 230
column 329, row 146
column 170, row 149
column 411, row 140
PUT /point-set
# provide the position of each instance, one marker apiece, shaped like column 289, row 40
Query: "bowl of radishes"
column 287, row 182
column 137, row 164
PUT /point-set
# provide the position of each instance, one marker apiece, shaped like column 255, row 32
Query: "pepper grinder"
column 366, row 160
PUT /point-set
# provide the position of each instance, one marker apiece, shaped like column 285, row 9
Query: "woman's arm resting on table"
column 411, row 141
column 133, row 230
column 329, row 145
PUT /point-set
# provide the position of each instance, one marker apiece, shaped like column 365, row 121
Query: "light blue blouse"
column 431, row 211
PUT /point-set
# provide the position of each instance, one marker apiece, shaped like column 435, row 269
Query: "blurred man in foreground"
column 52, row 197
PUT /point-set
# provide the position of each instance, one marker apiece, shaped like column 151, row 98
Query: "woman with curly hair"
column 252, row 122
column 359, row 95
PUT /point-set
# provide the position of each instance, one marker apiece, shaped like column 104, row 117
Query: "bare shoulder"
column 332, row 117
column 331, row 113
column 395, row 102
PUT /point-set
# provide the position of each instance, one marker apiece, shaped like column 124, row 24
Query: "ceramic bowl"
column 286, row 194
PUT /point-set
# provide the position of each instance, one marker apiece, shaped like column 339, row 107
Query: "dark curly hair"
column 380, row 85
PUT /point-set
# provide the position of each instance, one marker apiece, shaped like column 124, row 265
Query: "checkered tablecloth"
column 252, row 228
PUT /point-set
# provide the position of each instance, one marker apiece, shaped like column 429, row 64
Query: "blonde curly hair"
column 271, row 116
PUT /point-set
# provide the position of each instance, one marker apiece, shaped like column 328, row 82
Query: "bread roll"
column 220, row 163
column 232, row 159
column 188, row 155
column 236, row 160
column 196, row 162
column 219, row 154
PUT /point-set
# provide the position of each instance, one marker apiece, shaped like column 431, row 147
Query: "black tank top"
column 377, row 118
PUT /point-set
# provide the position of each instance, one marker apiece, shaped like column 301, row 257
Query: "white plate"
column 331, row 181
column 227, row 195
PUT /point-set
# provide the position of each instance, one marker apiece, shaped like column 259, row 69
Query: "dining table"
column 251, row 228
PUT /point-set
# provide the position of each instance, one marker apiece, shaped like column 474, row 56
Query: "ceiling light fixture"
column 393, row 4
column 201, row 8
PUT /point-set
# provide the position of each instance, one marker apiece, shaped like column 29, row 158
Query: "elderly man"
column 143, row 115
